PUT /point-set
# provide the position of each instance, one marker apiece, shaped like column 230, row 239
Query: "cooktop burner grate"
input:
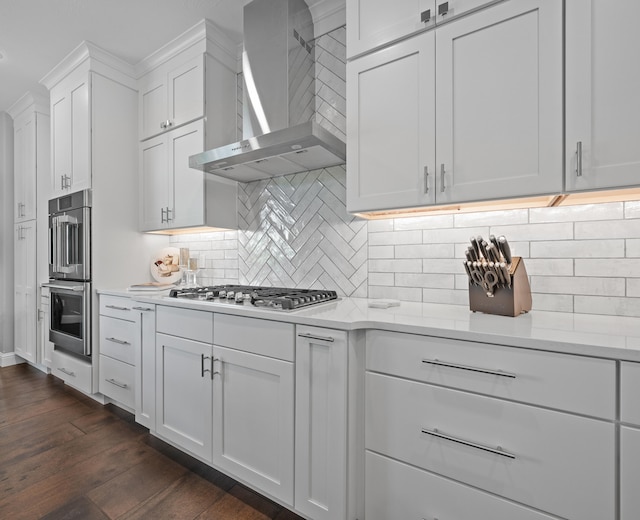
column 280, row 298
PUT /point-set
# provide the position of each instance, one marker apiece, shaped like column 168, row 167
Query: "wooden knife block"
column 505, row 301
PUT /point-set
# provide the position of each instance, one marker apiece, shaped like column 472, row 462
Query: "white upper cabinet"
column 470, row 111
column 499, row 103
column 71, row 133
column 31, row 152
column 372, row 23
column 171, row 98
column 602, row 101
column 391, row 132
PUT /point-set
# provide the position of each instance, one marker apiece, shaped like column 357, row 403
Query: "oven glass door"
column 70, row 315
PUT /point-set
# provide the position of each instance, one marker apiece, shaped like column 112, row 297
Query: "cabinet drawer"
column 574, row 383
column 552, row 461
column 267, row 338
column 116, row 307
column 117, row 339
column 630, row 392
column 117, row 380
column 395, row 490
column 185, row 323
column 72, row 371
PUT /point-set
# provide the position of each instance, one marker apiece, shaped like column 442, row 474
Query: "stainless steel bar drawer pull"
column 426, row 179
column 496, row 451
column 68, row 372
column 442, row 178
column 117, row 308
column 119, row 341
column 114, row 382
column 439, row 363
column 204, row 370
column 319, row 338
column 143, row 308
column 579, row 159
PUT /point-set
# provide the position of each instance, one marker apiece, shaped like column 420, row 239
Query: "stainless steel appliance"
column 70, row 273
column 70, row 237
column 277, row 298
column 70, row 324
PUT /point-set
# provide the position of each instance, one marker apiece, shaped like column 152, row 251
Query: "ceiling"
column 35, row 35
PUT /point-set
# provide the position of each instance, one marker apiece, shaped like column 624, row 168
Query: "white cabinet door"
column 391, row 133
column 183, row 394
column 71, row 129
column 188, row 184
column 172, row 96
column 45, row 347
column 253, row 428
column 25, row 139
column 25, row 286
column 321, row 423
column 156, row 183
column 173, row 194
column 629, row 473
column 499, row 103
column 602, row 102
column 145, row 375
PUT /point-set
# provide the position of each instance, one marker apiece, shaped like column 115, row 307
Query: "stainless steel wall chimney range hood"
column 280, row 134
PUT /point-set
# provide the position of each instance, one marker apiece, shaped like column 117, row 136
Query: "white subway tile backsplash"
column 629, row 268
column 409, row 294
column 425, row 251
column 492, row 218
column 583, row 285
column 445, row 296
column 424, row 222
column 377, row 265
column 381, row 251
column 633, row 247
column 578, row 249
column 549, row 267
column 381, row 279
column 442, row 266
column 606, row 230
column 609, row 211
column 431, row 281
column 552, row 302
column 530, row 232
column 395, row 237
column 453, row 236
column 632, row 209
column 607, row 306
column 633, row 287
column 380, row 225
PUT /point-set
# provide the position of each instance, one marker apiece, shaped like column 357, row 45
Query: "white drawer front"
column 117, row 380
column 562, row 463
column 116, row 307
column 72, row 371
column 630, row 392
column 629, row 473
column 117, row 339
column 267, row 338
column 395, row 490
column 185, row 323
column 573, row 383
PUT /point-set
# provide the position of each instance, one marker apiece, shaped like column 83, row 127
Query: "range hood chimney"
column 280, row 134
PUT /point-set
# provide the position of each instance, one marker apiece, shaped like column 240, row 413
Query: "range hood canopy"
column 280, row 134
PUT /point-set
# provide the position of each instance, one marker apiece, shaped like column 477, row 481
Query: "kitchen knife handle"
column 579, row 159
column 442, row 178
column 426, row 179
column 476, row 248
column 506, row 250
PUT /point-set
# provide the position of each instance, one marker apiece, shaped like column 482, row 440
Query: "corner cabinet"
column 187, row 97
column 485, row 125
column 602, row 102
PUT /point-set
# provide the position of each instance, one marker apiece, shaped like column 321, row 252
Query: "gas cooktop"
column 278, row 298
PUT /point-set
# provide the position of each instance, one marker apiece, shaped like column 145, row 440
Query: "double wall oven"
column 70, row 273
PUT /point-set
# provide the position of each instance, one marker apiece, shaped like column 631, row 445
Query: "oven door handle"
column 78, row 288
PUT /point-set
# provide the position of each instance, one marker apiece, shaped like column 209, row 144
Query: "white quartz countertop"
column 610, row 337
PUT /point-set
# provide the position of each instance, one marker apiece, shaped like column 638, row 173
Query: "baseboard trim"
column 8, row 359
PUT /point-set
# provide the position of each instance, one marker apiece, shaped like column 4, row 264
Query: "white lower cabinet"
column 145, row 365
column 629, row 473
column 73, row 371
column 253, row 420
column 397, row 490
column 321, row 423
column 183, row 394
column 117, row 380
column 556, row 462
column 45, row 346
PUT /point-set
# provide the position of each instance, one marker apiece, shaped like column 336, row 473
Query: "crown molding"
column 30, row 99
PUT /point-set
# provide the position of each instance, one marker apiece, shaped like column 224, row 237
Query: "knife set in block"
column 498, row 282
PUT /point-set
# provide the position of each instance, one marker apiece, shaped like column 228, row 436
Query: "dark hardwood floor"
column 65, row 456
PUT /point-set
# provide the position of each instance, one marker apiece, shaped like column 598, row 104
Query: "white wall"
column 6, row 233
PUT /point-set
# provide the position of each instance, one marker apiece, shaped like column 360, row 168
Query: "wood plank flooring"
column 65, row 456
